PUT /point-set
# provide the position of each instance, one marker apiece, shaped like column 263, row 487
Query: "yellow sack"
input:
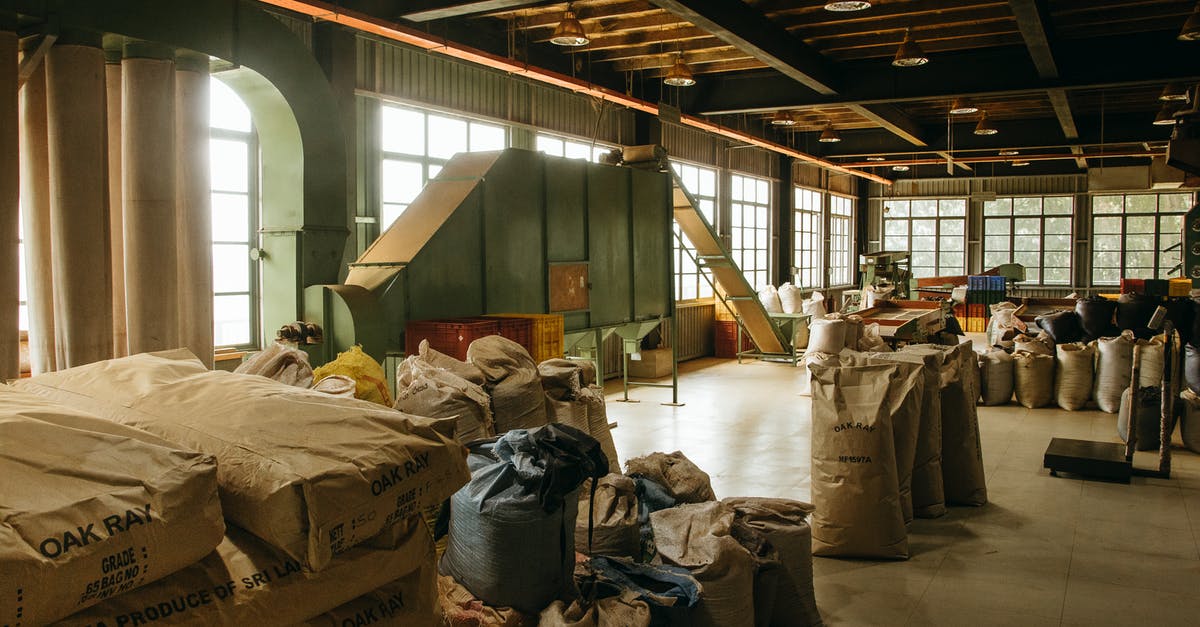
column 370, row 381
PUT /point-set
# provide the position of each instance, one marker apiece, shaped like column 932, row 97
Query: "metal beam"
column 736, row 24
column 894, row 120
column 433, row 10
column 1035, row 30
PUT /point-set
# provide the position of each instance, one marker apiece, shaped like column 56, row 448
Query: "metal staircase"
column 738, row 294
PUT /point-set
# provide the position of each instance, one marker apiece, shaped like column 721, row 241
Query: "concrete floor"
column 1044, row 551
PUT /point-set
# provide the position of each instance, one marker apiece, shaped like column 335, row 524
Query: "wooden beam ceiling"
column 429, row 10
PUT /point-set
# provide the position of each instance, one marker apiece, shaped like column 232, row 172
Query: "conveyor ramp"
column 740, row 295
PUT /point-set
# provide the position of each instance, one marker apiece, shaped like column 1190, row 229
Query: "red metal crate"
column 448, row 336
column 725, row 339
column 546, row 334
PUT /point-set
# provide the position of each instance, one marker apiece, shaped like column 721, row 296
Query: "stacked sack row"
column 148, row 489
column 545, row 535
column 894, row 436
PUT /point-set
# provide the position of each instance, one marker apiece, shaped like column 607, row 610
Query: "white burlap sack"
column 283, row 363
column 827, row 335
column 871, row 340
column 697, row 537
column 791, row 299
column 1114, row 367
column 815, row 305
column 90, row 509
column 855, row 484
column 614, row 518
column 426, row 390
column 1074, row 364
column 854, row 331
column 996, row 377
column 1033, row 379
column 1189, row 419
column 1152, row 353
column 1038, row 345
column 464, row 369
column 769, row 296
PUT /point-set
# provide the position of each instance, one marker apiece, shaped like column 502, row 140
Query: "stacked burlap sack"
column 573, row 398
column 322, row 494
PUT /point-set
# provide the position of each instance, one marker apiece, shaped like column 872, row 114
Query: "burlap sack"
column 697, row 537
column 434, row 357
column 962, row 453
column 513, row 382
column 1037, row 345
column 855, row 486
column 426, row 390
column 1189, row 419
column 767, row 569
column 90, row 509
column 244, row 582
column 614, row 518
column 573, row 401
column 1074, row 366
column 1152, row 353
column 1033, row 379
column 623, row 610
column 996, row 374
column 308, row 473
column 674, row 471
column 410, row 601
column 905, row 401
column 598, row 427
column 784, row 522
column 285, row 364
column 1114, row 367
column 460, row 608
column 1148, row 414
column 826, row 335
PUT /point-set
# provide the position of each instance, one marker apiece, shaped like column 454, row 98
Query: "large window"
column 1032, row 231
column 808, row 251
column 1130, row 233
column 701, row 183
column 750, row 222
column 416, row 144
column 571, row 149
column 841, row 240
column 934, row 231
column 233, row 150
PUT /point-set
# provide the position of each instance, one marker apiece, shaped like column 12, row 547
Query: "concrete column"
column 194, row 211
column 10, row 210
column 148, row 172
column 78, row 153
column 116, row 201
column 35, row 201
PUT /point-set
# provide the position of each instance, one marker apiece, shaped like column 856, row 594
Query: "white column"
column 10, row 210
column 148, row 169
column 112, row 79
column 78, row 152
column 194, row 217
column 35, row 200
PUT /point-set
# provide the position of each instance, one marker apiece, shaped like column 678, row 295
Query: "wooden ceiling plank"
column 427, row 11
column 734, row 23
column 898, row 23
column 1035, row 30
column 894, row 120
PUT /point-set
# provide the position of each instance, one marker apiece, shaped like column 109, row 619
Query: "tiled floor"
column 1044, row 551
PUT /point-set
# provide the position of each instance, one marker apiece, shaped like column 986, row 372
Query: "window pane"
column 1058, row 205
column 231, row 320
column 951, row 243
column 1027, row 226
column 1057, row 225
column 924, row 227
column 1174, row 202
column 550, row 145
column 389, row 214
column 952, row 208
column 924, row 243
column 225, row 109
column 447, row 136
column 229, row 163
column 487, row 137
column 230, row 217
column 708, row 182
column 1141, row 203
column 924, row 208
column 895, row 227
column 1027, row 206
column 576, row 150
column 1106, row 276
column 403, row 131
column 1140, row 224
column 402, row 181
column 952, row 227
column 896, row 209
column 1108, row 204
column 231, row 268
column 995, row 243
column 1107, row 225
column 998, row 207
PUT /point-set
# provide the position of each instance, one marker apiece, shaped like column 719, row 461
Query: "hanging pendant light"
column 846, row 6
column 984, row 127
column 829, row 135
column 679, row 75
column 1019, row 163
column 900, row 168
column 1174, row 92
column 1009, row 153
column 910, row 53
column 1166, row 115
column 569, row 32
column 961, row 107
column 875, row 159
column 1191, row 28
column 783, row 118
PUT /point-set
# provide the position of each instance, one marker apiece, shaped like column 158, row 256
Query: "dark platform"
column 1101, row 460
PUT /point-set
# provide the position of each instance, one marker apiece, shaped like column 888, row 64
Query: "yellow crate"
column 547, row 337
column 1179, row 287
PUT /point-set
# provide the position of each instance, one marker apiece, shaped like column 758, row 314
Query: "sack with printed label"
column 855, row 484
column 90, row 509
column 244, row 582
column 785, row 524
column 308, row 473
column 285, row 364
column 425, row 390
column 410, row 601
column 512, row 381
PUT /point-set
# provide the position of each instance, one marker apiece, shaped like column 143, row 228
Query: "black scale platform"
column 1101, row 460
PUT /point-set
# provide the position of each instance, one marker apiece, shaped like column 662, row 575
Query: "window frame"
column 1123, row 216
column 253, row 209
column 849, row 239
column 738, row 252
column 696, row 276
column 811, row 244
column 938, row 219
column 1041, row 218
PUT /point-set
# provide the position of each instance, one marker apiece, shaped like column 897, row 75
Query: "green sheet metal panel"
column 566, row 210
column 652, row 251
column 514, row 234
column 444, row 279
column 609, row 244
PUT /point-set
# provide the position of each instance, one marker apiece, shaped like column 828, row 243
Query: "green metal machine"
column 510, row 232
column 1190, row 255
column 888, row 271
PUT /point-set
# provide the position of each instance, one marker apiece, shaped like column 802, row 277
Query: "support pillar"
column 78, row 152
column 35, row 201
column 10, row 211
column 194, row 217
